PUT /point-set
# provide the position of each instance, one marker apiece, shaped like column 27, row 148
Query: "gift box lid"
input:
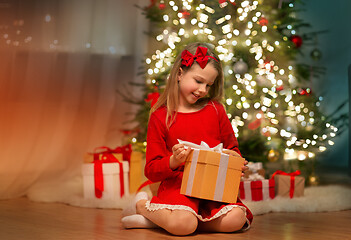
column 107, row 168
column 213, row 158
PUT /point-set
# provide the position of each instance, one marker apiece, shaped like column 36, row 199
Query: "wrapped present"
column 106, row 179
column 101, row 153
column 211, row 174
column 125, row 153
column 289, row 184
column 257, row 190
column 254, row 169
column 136, row 172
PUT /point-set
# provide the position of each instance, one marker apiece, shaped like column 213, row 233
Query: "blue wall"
column 335, row 45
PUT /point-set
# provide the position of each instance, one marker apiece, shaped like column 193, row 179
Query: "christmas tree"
column 274, row 113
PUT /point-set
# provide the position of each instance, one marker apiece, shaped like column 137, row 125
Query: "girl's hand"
column 179, row 155
column 244, row 168
column 233, row 153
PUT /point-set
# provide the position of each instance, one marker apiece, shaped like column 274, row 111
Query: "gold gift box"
column 283, row 185
column 136, row 166
column 212, row 175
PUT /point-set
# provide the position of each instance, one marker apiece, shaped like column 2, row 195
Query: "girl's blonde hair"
column 170, row 96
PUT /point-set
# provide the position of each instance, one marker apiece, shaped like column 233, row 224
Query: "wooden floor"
column 21, row 219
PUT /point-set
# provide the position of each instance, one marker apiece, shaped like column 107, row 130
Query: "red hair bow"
column 200, row 57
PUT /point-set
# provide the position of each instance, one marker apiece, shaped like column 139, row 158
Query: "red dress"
column 211, row 125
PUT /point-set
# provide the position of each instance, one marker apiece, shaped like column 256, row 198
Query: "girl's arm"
column 157, row 167
column 227, row 134
column 228, row 137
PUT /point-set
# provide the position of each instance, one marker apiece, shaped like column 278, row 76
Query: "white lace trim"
column 157, row 206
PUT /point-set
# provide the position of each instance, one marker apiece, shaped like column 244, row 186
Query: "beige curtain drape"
column 61, row 63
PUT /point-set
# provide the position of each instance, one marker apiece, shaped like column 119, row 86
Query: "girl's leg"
column 177, row 222
column 233, row 221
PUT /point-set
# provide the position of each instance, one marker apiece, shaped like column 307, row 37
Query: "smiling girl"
column 189, row 109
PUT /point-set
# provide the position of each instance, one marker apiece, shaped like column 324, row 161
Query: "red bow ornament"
column 153, row 97
column 200, row 57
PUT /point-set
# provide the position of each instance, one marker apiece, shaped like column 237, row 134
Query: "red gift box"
column 257, row 190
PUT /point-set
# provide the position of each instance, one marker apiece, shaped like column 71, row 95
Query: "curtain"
column 61, row 64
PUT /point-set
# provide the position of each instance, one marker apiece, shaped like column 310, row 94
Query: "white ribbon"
column 265, row 189
column 254, row 167
column 203, row 146
column 190, row 183
column 254, row 177
column 247, row 190
column 221, row 177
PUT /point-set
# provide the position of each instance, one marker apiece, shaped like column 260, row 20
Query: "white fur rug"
column 316, row 199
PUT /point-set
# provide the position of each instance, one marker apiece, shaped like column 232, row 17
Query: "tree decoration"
column 152, row 97
column 273, row 155
column 240, row 67
column 263, row 21
column 304, row 91
column 297, row 40
column 279, row 88
column 224, row 3
column 185, row 14
column 255, row 124
column 316, row 54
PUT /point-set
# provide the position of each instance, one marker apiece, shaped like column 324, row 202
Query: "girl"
column 189, row 110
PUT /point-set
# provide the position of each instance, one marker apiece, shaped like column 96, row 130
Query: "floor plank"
column 24, row 219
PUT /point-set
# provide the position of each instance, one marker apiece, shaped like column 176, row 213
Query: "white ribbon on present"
column 222, row 168
column 265, row 189
column 247, row 189
column 254, row 177
column 203, row 146
column 254, row 167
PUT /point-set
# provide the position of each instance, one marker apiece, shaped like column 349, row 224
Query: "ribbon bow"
column 292, row 179
column 126, row 151
column 202, row 146
column 255, row 177
column 200, row 57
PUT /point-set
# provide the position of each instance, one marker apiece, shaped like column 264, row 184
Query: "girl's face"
column 195, row 84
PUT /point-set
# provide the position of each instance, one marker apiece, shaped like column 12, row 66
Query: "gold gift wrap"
column 283, row 186
column 212, row 175
column 136, row 173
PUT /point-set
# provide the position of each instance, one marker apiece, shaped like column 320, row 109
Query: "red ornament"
column 279, row 88
column 185, row 13
column 263, row 21
column 297, row 40
column 162, row 6
column 254, row 124
column 304, row 91
column 266, row 134
column 268, row 66
column 153, row 97
column 223, row 3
